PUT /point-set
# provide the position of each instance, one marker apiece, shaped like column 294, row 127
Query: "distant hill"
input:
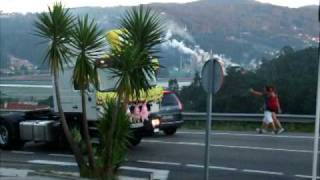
column 240, row 30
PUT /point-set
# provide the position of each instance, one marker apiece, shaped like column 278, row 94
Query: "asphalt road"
column 234, row 155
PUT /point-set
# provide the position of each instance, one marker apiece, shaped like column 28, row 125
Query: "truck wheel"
column 170, row 131
column 7, row 138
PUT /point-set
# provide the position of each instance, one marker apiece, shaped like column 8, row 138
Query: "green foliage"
column 295, row 77
column 75, row 132
column 193, row 97
column 143, row 29
column 88, row 41
column 120, row 136
column 132, row 62
column 294, row 74
column 55, row 28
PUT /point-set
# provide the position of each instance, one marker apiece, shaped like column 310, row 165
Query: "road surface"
column 234, row 155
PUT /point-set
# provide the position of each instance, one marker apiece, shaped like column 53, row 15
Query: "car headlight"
column 155, row 122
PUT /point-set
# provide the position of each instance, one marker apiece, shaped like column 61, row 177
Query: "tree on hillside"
column 55, row 27
column 193, row 96
column 88, row 42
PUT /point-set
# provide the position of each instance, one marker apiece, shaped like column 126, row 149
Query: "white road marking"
column 159, row 162
column 194, row 165
column 211, row 167
column 129, row 178
column 59, row 163
column 163, row 174
column 263, row 148
column 157, row 173
column 62, row 155
column 26, row 85
column 246, row 134
column 262, row 172
column 22, row 152
column 223, row 168
column 305, row 176
column 172, row 142
column 228, row 146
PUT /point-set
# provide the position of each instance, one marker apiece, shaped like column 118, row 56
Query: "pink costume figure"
column 144, row 112
column 136, row 113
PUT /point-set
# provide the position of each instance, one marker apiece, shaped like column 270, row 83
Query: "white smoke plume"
column 182, row 32
column 198, row 55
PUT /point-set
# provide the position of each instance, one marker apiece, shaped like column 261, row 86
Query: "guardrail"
column 242, row 117
column 234, row 117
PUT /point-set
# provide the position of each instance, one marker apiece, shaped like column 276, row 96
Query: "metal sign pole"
column 211, row 84
column 211, row 81
column 316, row 131
column 208, row 132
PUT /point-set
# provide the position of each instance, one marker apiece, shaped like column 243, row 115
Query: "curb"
column 53, row 175
column 125, row 174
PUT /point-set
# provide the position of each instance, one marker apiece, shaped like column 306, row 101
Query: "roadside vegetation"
column 130, row 61
column 55, row 28
column 88, row 44
column 293, row 73
column 130, row 57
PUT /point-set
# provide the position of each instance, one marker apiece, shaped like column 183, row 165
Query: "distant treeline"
column 293, row 73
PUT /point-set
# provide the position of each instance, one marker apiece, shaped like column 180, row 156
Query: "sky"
column 24, row 6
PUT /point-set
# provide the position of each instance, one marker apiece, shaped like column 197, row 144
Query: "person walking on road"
column 271, row 107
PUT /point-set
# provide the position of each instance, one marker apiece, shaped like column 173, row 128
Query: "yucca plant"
column 132, row 61
column 88, row 42
column 55, row 28
column 120, row 136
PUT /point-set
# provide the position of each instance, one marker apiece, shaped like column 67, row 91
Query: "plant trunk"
column 75, row 149
column 110, row 136
column 86, row 133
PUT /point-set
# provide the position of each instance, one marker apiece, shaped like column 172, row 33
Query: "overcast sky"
column 24, row 6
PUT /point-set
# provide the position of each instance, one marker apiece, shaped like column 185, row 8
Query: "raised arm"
column 256, row 93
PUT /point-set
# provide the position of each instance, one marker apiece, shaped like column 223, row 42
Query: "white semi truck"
column 44, row 125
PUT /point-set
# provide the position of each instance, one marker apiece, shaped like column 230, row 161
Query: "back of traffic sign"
column 212, row 76
column 212, row 79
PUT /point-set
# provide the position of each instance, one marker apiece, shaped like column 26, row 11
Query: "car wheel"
column 170, row 131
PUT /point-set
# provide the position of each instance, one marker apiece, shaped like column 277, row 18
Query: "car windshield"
column 169, row 99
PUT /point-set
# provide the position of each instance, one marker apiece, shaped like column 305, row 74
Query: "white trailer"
column 44, row 125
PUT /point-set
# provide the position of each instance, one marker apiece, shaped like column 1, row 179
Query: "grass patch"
column 247, row 126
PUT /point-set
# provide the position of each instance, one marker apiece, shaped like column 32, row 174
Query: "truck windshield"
column 107, row 81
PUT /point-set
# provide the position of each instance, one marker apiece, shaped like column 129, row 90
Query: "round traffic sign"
column 212, row 76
